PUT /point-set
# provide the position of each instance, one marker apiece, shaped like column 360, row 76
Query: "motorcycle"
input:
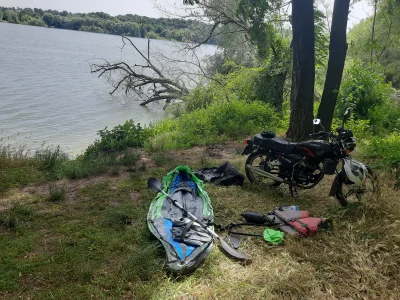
column 273, row 161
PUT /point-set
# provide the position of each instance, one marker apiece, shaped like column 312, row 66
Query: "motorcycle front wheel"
column 263, row 162
column 347, row 194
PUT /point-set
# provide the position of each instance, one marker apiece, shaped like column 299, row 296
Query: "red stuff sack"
column 308, row 226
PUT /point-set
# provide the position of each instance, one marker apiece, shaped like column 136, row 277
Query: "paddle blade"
column 233, row 252
column 235, row 241
column 154, row 185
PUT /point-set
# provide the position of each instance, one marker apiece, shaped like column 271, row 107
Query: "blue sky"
column 142, row 7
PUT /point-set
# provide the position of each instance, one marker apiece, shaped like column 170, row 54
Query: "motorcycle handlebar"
column 319, row 134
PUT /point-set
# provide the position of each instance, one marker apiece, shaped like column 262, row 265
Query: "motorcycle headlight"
column 350, row 144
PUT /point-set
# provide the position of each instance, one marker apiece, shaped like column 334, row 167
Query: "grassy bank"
column 93, row 241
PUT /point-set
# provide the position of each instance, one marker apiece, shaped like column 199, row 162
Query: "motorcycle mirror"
column 317, row 121
column 347, row 114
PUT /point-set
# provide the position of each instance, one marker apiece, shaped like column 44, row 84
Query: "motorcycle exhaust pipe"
column 257, row 171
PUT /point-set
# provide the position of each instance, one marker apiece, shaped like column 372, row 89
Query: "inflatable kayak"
column 185, row 242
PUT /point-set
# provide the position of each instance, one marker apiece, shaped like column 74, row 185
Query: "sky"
column 147, row 8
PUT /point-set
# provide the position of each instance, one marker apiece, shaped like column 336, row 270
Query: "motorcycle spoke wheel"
column 265, row 163
column 347, row 194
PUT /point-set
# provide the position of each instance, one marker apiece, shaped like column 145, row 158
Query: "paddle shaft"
column 155, row 186
column 177, row 204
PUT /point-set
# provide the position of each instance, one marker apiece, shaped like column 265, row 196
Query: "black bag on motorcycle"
column 329, row 167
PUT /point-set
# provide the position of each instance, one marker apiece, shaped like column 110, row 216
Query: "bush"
column 248, row 84
column 385, row 151
column 218, row 122
column 364, row 89
column 361, row 128
column 118, row 138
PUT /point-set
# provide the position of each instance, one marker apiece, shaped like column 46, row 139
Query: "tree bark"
column 373, row 30
column 337, row 56
column 303, row 75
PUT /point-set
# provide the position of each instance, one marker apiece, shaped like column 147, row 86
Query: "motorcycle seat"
column 276, row 144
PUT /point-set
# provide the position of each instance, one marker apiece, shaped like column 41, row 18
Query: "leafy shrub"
column 386, row 152
column 118, row 138
column 248, row 84
column 361, row 128
column 364, row 89
column 216, row 123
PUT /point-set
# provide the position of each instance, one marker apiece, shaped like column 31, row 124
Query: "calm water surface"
column 48, row 95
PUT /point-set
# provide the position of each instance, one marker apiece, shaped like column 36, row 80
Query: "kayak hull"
column 186, row 244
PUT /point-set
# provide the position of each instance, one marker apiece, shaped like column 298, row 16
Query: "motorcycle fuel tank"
column 314, row 148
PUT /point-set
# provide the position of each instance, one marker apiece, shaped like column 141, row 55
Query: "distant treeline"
column 130, row 25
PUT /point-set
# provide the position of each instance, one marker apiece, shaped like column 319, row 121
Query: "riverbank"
column 91, row 241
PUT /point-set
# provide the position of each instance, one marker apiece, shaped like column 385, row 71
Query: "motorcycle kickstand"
column 292, row 190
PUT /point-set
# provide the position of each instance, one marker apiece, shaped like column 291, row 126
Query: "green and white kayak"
column 185, row 242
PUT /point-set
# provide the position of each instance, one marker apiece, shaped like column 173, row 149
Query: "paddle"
column 155, row 186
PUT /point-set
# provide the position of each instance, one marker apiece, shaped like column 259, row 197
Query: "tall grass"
column 21, row 166
column 57, row 192
column 384, row 153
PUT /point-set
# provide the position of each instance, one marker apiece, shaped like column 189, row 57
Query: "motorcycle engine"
column 299, row 169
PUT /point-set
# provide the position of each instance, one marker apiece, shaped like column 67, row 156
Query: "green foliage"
column 19, row 167
column 386, row 44
column 83, row 167
column 386, row 153
column 49, row 158
column 129, row 157
column 118, row 138
column 254, row 12
column 247, row 84
column 130, row 25
column 218, row 122
column 365, row 91
column 98, row 163
column 321, row 39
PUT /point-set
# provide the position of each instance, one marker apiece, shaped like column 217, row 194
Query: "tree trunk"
column 337, row 56
column 373, row 30
column 303, row 75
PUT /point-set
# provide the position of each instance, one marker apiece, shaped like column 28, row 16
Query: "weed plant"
column 57, row 192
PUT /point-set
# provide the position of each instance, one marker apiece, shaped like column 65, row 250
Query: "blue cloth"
column 175, row 244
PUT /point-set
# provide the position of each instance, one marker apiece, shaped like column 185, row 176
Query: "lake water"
column 48, row 95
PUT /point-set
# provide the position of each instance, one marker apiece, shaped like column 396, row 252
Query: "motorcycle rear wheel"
column 264, row 162
column 346, row 194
